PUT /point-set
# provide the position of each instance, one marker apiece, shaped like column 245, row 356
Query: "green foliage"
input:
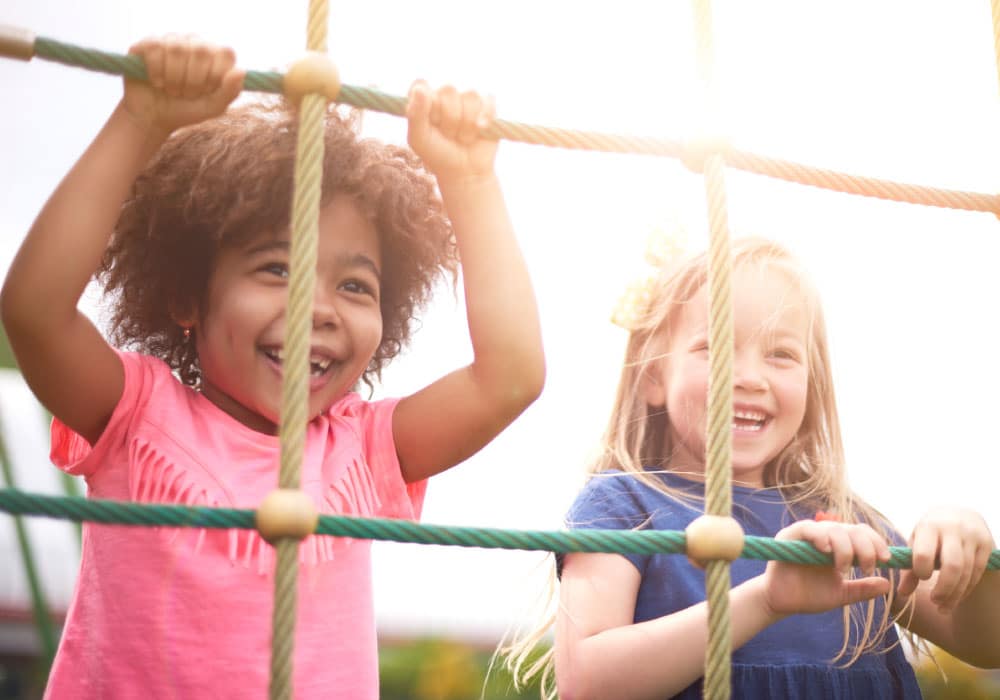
column 950, row 678
column 6, row 356
column 443, row 669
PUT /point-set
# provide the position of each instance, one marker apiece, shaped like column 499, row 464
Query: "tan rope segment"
column 295, row 385
column 995, row 7
column 718, row 448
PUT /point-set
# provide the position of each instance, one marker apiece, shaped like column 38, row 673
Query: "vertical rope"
column 995, row 7
column 718, row 459
column 295, row 386
column 718, row 453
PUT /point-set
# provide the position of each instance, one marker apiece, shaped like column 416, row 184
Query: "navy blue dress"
column 789, row 659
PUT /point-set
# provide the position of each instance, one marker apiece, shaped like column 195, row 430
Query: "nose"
column 748, row 373
column 325, row 313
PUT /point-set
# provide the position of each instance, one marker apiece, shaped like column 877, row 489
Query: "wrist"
column 757, row 592
column 144, row 128
column 467, row 183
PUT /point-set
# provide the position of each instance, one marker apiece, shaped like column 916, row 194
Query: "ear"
column 183, row 317
column 654, row 391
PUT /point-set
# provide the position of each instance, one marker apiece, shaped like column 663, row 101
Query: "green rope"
column 368, row 98
column 391, row 530
column 39, row 606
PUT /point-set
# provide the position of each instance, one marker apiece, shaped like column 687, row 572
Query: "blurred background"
column 900, row 90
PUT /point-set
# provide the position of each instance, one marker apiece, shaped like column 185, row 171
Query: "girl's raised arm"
column 63, row 357
column 454, row 417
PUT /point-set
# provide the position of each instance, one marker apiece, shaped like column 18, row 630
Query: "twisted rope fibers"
column 295, row 382
column 375, row 100
column 128, row 513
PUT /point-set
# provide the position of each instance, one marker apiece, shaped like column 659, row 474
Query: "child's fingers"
column 176, row 56
column 232, row 85
column 864, row 542
column 924, row 545
column 199, row 67
column 446, row 114
column 957, row 559
column 418, row 113
column 468, row 128
column 488, row 113
column 908, row 582
column 223, row 61
column 860, row 589
column 841, row 544
column 153, row 56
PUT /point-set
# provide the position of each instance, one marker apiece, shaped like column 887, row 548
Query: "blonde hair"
column 809, row 469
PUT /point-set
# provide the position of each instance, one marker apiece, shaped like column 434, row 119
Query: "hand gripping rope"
column 287, row 515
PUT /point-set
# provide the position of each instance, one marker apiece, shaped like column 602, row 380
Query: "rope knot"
column 313, row 74
column 713, row 538
column 696, row 151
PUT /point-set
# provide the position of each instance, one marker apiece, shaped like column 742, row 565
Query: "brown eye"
column 275, row 268
column 356, row 286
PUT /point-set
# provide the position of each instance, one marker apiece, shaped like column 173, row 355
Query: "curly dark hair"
column 224, row 181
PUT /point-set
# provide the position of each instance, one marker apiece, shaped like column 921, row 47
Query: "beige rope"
column 718, row 452
column 295, row 385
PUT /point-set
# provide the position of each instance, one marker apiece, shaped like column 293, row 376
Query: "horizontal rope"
column 368, row 98
column 18, row 502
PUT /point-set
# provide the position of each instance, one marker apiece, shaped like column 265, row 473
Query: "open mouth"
column 319, row 363
column 749, row 421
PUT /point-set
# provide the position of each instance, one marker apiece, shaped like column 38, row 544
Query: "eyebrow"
column 347, row 260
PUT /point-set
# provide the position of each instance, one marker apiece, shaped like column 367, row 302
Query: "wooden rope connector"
column 697, row 150
column 286, row 513
column 712, row 538
column 313, row 74
column 16, row 42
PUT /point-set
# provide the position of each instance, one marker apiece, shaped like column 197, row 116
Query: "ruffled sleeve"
column 73, row 454
column 374, row 485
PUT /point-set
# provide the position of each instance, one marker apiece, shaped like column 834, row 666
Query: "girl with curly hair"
column 182, row 210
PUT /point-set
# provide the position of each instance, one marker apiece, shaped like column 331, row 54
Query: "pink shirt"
column 184, row 613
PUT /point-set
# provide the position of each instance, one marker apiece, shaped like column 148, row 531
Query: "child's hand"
column 189, row 82
column 444, row 130
column 960, row 542
column 798, row 588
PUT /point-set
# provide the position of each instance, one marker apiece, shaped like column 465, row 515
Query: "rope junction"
column 79, row 509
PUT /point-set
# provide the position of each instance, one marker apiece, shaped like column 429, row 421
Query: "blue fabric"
column 790, row 659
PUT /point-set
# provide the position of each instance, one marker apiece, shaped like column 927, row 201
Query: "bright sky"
column 902, row 90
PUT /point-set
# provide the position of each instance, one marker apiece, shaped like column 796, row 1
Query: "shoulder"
column 149, row 388
column 369, row 421
column 621, row 500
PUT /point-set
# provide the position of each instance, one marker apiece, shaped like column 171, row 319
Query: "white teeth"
column 318, row 363
column 758, row 418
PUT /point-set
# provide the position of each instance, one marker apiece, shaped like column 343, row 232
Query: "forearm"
column 975, row 624
column 500, row 302
column 63, row 249
column 658, row 658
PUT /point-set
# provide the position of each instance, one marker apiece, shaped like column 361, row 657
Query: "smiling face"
column 770, row 373
column 241, row 330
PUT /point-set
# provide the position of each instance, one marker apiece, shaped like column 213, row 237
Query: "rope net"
column 708, row 155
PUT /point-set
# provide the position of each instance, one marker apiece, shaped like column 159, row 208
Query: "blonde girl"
column 635, row 626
